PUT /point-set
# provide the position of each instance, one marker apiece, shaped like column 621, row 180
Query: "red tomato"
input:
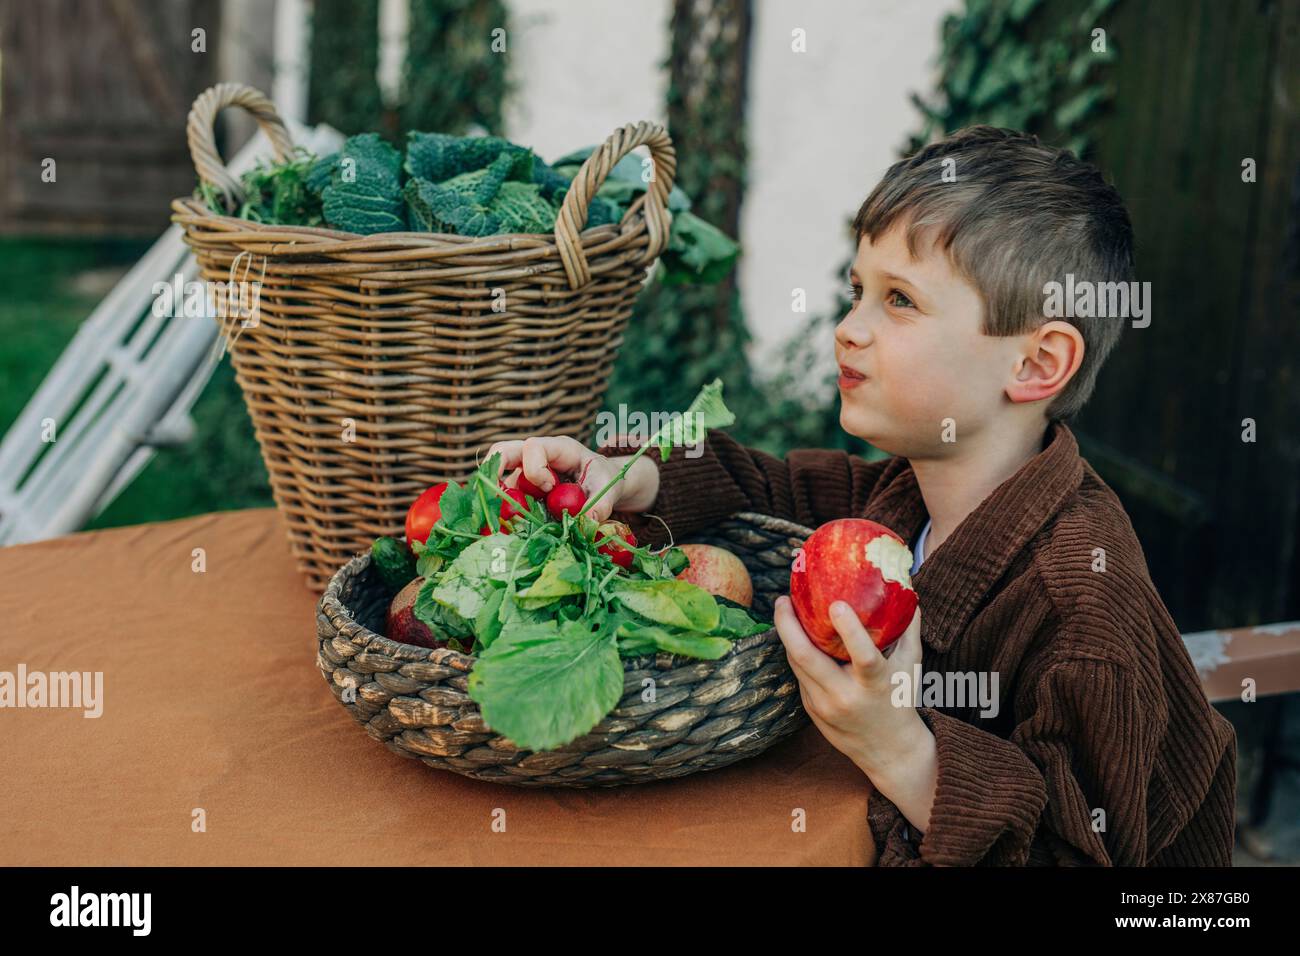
column 424, row 514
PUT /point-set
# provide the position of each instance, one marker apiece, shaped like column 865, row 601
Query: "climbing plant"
column 1032, row 65
column 455, row 74
column 452, row 79
column 343, row 89
column 681, row 336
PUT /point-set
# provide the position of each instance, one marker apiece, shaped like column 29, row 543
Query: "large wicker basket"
column 382, row 364
column 706, row 714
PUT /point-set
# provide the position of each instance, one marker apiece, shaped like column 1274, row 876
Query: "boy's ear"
column 1050, row 357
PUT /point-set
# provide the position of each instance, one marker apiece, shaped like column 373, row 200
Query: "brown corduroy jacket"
column 1103, row 749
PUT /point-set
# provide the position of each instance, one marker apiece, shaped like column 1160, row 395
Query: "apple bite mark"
column 893, row 559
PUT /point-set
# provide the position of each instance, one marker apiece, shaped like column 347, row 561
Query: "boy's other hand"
column 852, row 703
column 574, row 461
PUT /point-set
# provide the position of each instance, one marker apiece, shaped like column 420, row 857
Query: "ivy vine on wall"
column 453, row 80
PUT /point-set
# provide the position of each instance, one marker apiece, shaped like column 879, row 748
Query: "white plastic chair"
column 139, row 375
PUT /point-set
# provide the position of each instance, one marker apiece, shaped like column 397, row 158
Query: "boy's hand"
column 851, row 703
column 593, row 471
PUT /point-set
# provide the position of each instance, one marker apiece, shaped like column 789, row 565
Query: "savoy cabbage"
column 364, row 194
column 466, row 185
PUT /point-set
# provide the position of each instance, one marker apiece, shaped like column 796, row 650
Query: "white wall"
column 823, row 125
column 583, row 69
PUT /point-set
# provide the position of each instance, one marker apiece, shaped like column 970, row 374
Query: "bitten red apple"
column 719, row 572
column 863, row 564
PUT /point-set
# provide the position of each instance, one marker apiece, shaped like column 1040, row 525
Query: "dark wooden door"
column 1202, row 86
column 102, row 87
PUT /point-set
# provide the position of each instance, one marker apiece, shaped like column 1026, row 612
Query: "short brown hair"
column 1017, row 215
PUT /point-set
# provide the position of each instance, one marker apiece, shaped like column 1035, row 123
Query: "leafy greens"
column 549, row 616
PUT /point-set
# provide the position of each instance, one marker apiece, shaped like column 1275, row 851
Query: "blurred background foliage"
column 451, row 81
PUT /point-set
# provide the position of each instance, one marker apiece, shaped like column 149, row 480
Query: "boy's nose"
column 852, row 331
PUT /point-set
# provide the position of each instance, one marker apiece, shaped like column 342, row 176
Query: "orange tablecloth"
column 212, row 700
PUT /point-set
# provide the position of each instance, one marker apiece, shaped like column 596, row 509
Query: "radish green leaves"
column 551, row 616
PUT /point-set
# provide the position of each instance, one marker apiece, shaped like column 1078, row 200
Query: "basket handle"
column 202, row 138
column 577, row 201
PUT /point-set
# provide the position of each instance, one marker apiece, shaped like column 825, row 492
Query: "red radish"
column 719, row 572
column 863, row 564
column 565, row 497
column 616, row 552
column 508, row 510
column 423, row 514
column 530, row 489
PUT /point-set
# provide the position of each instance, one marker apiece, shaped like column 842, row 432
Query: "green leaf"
column 675, row 603
column 439, row 618
column 440, row 156
column 624, row 182
column 737, row 622
column 519, row 207
column 636, row 643
column 487, row 623
column 365, row 191
column 561, row 576
column 465, row 596
column 511, row 615
column 493, row 558
column 434, row 208
column 543, row 685
column 540, row 546
column 1020, row 9
column 497, row 198
column 461, row 510
column 428, row 563
column 705, row 412
column 686, row 643
column 698, row 252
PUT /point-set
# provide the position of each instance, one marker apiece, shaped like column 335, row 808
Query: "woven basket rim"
column 331, row 605
column 309, row 240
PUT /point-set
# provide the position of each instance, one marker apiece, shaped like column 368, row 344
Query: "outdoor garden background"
column 777, row 146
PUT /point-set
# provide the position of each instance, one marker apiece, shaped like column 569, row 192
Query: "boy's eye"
column 855, row 292
column 899, row 300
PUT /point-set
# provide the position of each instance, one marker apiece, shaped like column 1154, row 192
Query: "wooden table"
column 218, row 742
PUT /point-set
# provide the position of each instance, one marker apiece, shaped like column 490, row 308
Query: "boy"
column 1102, row 748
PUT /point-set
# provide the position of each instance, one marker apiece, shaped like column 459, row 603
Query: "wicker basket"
column 377, row 365
column 706, row 715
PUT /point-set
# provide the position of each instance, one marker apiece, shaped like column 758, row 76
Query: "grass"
column 40, row 312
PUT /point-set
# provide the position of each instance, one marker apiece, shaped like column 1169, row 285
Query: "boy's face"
column 914, row 332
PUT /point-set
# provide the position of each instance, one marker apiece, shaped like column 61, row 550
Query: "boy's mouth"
column 850, row 377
